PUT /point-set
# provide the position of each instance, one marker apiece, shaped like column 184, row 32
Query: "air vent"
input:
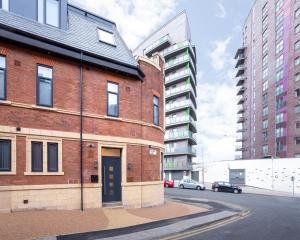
column 17, row 63
column 128, row 89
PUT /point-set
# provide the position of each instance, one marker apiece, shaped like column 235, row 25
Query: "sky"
column 216, row 32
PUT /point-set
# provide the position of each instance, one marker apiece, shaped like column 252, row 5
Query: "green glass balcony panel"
column 180, row 89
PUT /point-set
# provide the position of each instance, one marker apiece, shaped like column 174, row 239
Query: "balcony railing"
column 241, row 90
column 240, row 81
column 240, row 130
column 240, row 60
column 241, row 119
column 171, row 64
column 181, row 119
column 180, row 89
column 240, row 70
column 151, row 49
column 181, row 151
column 241, row 109
column 241, row 99
column 177, row 166
column 177, row 47
column 240, row 139
column 171, row 135
column 185, row 73
column 239, row 52
column 240, row 148
column 180, row 104
column 185, row 119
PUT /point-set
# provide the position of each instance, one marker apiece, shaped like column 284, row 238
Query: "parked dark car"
column 225, row 187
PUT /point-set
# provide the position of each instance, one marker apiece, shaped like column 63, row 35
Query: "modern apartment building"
column 268, row 81
column 81, row 120
column 173, row 42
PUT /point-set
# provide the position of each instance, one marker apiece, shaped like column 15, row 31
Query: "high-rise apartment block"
column 173, row 42
column 268, row 81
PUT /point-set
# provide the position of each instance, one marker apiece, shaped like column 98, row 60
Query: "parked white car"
column 188, row 183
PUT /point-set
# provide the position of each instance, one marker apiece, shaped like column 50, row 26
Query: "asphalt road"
column 271, row 217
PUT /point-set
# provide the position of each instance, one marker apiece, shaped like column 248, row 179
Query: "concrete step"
column 112, row 205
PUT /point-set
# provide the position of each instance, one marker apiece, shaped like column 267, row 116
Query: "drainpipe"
column 81, row 130
column 141, row 145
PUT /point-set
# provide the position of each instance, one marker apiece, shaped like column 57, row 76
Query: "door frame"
column 123, row 158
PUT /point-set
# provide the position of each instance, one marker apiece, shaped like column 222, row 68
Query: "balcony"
column 241, row 91
column 240, row 139
column 241, row 109
column 180, row 76
column 241, row 100
column 241, row 130
column 181, row 105
column 186, row 150
column 240, row 149
column 240, row 81
column 177, row 121
column 240, row 70
column 181, row 135
column 178, row 48
column 180, row 62
column 158, row 45
column 177, row 166
column 181, row 91
column 241, row 119
column 240, row 60
column 240, row 51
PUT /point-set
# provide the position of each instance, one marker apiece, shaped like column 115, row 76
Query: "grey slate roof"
column 81, row 34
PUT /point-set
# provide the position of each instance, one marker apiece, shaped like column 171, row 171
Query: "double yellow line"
column 192, row 233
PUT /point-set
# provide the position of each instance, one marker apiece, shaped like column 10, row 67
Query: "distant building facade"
column 173, row 42
column 268, row 81
column 81, row 121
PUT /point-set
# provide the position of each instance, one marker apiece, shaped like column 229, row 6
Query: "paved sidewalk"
column 218, row 212
column 174, row 228
column 35, row 224
column 255, row 190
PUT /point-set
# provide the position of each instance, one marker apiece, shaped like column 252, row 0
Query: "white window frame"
column 103, row 33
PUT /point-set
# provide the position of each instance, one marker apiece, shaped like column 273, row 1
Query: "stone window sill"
column 7, row 173
column 44, row 173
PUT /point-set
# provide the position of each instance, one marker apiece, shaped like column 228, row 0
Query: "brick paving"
column 33, row 224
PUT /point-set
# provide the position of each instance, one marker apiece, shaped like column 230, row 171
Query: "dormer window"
column 5, row 4
column 48, row 12
column 106, row 37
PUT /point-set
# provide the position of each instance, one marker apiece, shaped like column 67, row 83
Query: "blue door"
column 111, row 179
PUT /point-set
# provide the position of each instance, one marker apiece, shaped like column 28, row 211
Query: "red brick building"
column 80, row 124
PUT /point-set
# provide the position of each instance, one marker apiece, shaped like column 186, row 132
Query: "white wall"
column 259, row 173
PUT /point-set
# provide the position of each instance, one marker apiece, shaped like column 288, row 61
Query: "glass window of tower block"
column 297, row 140
column 297, row 61
column 297, row 13
column 297, row 77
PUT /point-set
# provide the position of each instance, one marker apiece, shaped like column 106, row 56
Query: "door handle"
column 104, row 182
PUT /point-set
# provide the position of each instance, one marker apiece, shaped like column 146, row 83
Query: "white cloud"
column 221, row 11
column 216, row 122
column 219, row 55
column 135, row 19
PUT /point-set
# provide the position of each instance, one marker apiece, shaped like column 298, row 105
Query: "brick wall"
column 136, row 114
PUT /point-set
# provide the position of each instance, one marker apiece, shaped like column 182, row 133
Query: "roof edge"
column 93, row 14
column 24, row 38
column 157, row 30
